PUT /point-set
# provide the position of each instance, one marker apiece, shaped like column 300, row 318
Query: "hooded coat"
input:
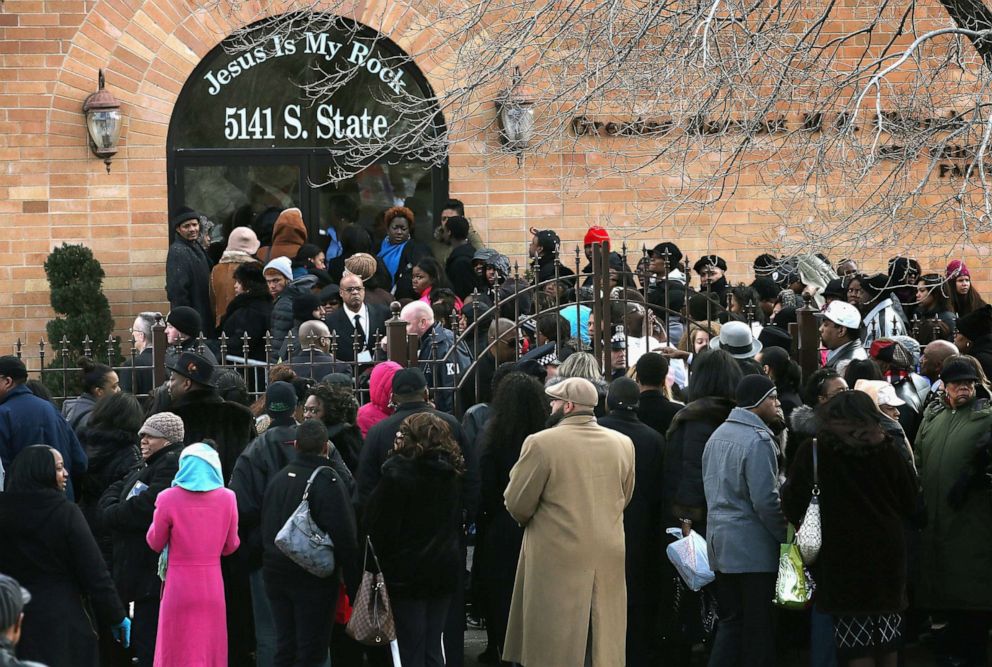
column 956, row 547
column 49, row 549
column 569, row 490
column 380, row 394
column 867, row 492
column 288, row 236
column 187, row 280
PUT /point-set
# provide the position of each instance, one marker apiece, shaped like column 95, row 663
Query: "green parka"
column 956, row 553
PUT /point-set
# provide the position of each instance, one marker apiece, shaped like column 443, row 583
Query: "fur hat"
column 164, row 425
column 243, row 239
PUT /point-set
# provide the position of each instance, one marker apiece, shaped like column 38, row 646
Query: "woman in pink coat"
column 380, row 395
column 195, row 523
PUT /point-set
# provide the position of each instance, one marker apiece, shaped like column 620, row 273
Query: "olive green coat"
column 956, row 549
column 569, row 490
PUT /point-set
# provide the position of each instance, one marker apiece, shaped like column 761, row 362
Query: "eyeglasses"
column 307, row 410
column 353, row 290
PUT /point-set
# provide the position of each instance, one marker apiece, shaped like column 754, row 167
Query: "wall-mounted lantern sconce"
column 103, row 123
column 515, row 110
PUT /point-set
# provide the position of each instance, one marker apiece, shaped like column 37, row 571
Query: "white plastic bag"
column 688, row 555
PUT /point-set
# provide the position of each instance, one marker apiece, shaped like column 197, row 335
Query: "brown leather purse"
column 371, row 620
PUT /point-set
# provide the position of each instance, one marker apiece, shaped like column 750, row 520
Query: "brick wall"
column 52, row 189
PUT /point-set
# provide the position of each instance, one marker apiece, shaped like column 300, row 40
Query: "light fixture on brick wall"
column 515, row 110
column 103, row 123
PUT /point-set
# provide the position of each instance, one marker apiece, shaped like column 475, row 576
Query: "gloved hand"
column 122, row 632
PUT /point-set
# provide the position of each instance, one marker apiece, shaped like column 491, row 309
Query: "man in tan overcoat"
column 568, row 490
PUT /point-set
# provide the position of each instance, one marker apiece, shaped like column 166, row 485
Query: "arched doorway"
column 249, row 136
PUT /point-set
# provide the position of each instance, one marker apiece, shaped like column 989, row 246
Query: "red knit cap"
column 956, row 268
column 596, row 234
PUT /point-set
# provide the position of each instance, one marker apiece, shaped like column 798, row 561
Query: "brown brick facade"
column 52, row 189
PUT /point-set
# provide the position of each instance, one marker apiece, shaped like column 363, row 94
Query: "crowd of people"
column 140, row 524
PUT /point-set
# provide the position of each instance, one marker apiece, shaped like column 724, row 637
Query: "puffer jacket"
column 380, row 394
column 282, row 309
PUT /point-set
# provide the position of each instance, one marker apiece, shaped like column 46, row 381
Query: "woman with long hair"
column 715, row 376
column 414, row 519
column 98, row 380
column 867, row 491
column 519, row 408
column 428, row 275
column 50, row 550
column 197, row 521
column 932, row 303
column 786, row 374
column 963, row 296
column 249, row 312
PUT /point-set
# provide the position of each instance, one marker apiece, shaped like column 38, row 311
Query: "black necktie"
column 360, row 330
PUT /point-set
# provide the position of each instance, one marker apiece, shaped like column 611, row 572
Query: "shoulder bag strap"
column 816, row 471
column 313, row 475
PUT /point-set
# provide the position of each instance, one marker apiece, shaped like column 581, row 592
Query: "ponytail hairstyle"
column 94, row 374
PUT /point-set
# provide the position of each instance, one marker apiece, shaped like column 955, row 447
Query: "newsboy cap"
column 575, row 390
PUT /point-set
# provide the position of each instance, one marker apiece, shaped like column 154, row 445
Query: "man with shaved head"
column 314, row 359
column 442, row 361
column 932, row 363
column 503, row 345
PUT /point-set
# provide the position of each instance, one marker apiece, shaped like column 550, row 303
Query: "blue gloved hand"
column 122, row 632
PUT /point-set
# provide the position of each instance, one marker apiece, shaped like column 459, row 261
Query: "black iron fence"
column 523, row 299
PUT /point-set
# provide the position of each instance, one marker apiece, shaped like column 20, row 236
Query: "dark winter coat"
column 956, row 546
column 379, row 442
column 173, row 352
column 187, row 280
column 127, row 520
column 77, row 411
column 981, row 349
column 682, row 491
column 330, row 509
column 403, row 280
column 316, row 363
column 414, row 517
column 27, row 420
column 281, row 321
column 458, row 268
column 49, row 549
column 261, row 460
column 136, row 377
column 642, row 517
column 251, row 314
column 207, row 416
column 657, row 411
column 546, row 268
column 113, row 456
column 866, row 494
column 442, row 365
column 347, row 440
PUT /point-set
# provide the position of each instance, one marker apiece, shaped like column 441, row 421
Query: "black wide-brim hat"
column 197, row 368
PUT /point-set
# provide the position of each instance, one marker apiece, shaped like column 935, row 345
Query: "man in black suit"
column 371, row 321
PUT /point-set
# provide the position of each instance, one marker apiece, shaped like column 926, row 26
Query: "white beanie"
column 281, row 264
